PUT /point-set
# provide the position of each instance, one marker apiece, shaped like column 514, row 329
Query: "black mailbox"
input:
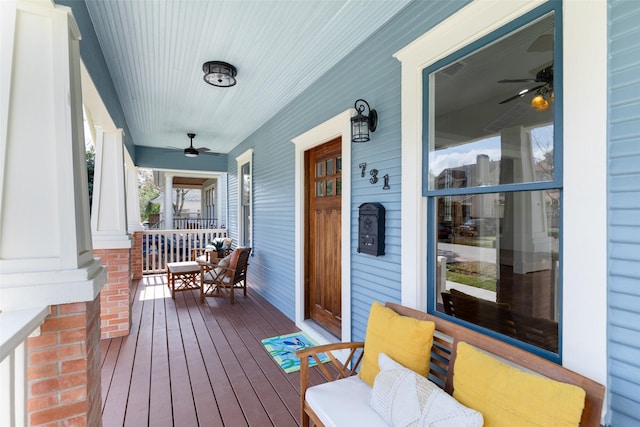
column 371, row 229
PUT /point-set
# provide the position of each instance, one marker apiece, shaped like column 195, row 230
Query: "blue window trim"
column 554, row 6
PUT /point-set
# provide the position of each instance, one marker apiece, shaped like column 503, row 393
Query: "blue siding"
column 624, row 214
column 370, row 73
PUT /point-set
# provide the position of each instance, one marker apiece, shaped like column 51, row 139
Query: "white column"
column 46, row 256
column 133, row 200
column 109, row 207
column 525, row 229
column 168, row 201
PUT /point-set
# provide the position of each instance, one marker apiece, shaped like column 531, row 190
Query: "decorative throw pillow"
column 508, row 396
column 405, row 339
column 223, row 263
column 404, row 398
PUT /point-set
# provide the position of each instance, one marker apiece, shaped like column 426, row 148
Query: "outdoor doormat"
column 282, row 348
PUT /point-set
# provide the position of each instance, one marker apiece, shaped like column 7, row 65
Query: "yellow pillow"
column 405, row 339
column 507, row 396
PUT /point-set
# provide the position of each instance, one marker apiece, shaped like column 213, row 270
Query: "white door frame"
column 338, row 126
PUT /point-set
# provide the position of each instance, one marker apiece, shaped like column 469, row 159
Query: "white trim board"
column 338, row 126
column 584, row 254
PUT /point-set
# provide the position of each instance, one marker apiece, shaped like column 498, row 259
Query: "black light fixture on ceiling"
column 362, row 124
column 218, row 73
column 190, row 151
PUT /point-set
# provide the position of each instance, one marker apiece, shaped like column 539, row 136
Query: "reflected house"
column 455, row 210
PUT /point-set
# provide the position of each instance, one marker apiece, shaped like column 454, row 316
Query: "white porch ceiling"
column 155, row 49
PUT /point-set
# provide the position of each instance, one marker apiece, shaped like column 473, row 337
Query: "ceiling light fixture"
column 361, row 124
column 541, row 101
column 190, row 151
column 218, row 73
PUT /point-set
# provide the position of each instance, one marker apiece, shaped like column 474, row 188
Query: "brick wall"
column 136, row 256
column 115, row 295
column 63, row 371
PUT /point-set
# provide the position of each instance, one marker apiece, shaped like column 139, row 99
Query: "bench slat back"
column 444, row 352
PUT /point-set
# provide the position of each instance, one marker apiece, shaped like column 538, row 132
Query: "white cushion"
column 403, row 397
column 343, row 403
column 224, row 262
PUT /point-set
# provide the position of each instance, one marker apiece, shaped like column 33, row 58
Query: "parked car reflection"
column 445, row 232
column 477, row 226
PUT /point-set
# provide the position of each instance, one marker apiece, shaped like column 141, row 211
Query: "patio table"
column 183, row 276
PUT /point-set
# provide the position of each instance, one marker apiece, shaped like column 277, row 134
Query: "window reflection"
column 490, row 118
column 497, row 264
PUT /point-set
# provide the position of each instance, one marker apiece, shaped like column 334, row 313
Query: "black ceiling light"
column 190, row 151
column 362, row 124
column 218, row 73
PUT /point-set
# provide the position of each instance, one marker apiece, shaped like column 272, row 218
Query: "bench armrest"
column 346, row 369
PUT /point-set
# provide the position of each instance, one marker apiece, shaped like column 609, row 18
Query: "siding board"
column 369, row 72
column 624, row 213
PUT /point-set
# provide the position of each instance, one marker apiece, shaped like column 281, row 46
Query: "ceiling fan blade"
column 517, row 81
column 210, row 153
column 520, row 94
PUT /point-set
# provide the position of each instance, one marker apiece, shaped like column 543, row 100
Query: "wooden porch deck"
column 191, row 364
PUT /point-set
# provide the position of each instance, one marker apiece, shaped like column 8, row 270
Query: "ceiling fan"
column 190, row 151
column 544, row 76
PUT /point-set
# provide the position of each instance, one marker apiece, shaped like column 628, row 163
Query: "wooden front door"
column 323, row 223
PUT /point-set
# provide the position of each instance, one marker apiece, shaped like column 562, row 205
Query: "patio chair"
column 222, row 278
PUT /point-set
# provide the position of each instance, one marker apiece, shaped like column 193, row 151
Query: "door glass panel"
column 329, row 184
column 339, row 164
column 338, row 186
column 319, row 170
column 319, row 192
column 330, row 167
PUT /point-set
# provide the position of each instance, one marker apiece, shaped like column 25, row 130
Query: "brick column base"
column 114, row 297
column 63, row 377
column 136, row 256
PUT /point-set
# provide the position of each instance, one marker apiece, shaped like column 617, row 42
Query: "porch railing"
column 162, row 246
column 15, row 329
column 188, row 224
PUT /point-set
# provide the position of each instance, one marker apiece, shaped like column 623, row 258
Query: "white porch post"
column 46, row 255
column 168, row 201
column 132, row 197
column 109, row 209
column 48, row 273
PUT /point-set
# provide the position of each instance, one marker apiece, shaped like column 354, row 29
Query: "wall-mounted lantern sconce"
column 362, row 124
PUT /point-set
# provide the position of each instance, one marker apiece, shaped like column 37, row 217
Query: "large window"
column 492, row 151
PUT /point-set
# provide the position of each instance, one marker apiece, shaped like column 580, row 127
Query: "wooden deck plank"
column 192, row 364
column 110, row 350
column 249, row 358
column 228, row 406
column 160, row 406
column 115, row 401
column 252, row 332
column 252, row 409
column 138, row 402
column 201, row 385
column 181, row 394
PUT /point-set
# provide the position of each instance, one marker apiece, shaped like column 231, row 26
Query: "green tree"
column 147, row 191
column 90, row 156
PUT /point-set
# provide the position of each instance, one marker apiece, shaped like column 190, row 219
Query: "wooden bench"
column 443, row 357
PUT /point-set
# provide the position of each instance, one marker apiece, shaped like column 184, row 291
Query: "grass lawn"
column 473, row 273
